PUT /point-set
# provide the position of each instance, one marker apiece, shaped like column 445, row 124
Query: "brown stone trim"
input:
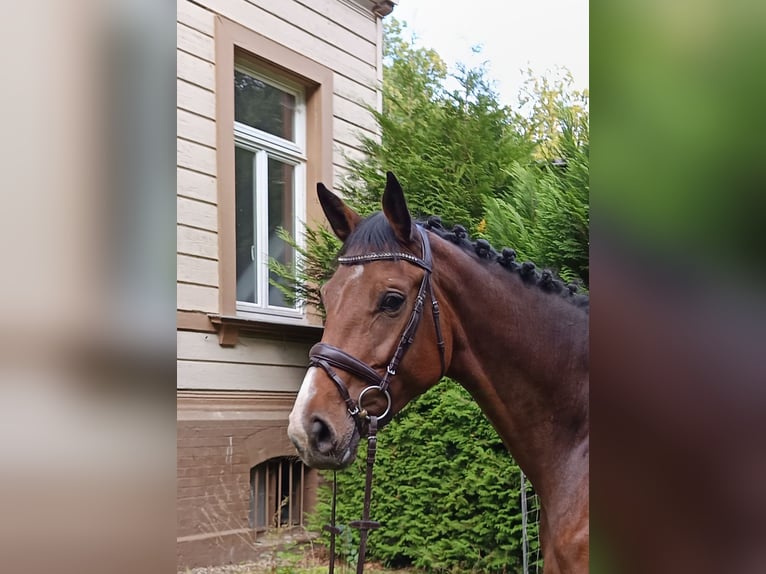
column 267, row 443
column 228, row 334
column 232, row 39
column 206, row 535
column 257, row 398
column 224, row 113
column 379, row 8
column 384, row 8
column 224, row 406
column 268, row 407
column 230, row 327
column 194, row 321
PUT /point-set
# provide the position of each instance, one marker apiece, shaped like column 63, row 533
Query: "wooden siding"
column 240, row 377
column 195, row 156
column 197, row 214
column 195, row 42
column 196, row 128
column 195, row 70
column 299, row 35
column 196, row 17
column 198, row 242
column 330, row 32
column 196, row 298
column 195, row 185
column 197, row 270
column 252, row 365
column 205, row 347
column 194, row 99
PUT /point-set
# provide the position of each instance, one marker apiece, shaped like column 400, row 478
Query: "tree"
column 447, row 148
column 546, row 103
column 545, row 216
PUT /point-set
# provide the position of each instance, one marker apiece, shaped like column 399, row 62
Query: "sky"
column 513, row 34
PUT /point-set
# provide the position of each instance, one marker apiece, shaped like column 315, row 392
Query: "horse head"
column 376, row 354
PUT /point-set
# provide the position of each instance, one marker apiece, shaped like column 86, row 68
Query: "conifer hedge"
column 445, row 490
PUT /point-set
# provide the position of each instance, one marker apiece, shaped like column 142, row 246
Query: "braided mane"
column 374, row 233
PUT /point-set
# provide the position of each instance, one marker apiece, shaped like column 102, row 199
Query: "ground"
column 305, row 558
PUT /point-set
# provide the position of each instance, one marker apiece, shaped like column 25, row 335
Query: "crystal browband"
column 390, row 256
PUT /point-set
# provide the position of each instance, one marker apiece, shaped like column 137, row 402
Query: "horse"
column 515, row 338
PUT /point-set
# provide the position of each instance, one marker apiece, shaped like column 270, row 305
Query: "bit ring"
column 375, row 388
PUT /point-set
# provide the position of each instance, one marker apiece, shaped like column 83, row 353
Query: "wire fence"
column 530, row 528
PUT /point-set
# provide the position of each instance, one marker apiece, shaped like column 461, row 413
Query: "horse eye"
column 391, row 302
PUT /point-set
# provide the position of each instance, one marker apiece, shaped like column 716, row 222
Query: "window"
column 274, row 134
column 277, row 494
column 270, row 168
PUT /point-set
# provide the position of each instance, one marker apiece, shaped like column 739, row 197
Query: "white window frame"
column 265, row 145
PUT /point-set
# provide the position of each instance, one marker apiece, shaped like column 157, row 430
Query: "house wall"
column 330, row 32
column 233, row 402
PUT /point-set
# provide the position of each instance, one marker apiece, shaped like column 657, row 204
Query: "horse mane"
column 374, row 233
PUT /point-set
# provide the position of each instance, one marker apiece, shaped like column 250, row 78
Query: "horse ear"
column 342, row 218
column 395, row 209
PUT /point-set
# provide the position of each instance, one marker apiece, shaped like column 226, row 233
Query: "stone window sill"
column 230, row 328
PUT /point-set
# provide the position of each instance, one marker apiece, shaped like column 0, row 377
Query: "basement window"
column 277, row 489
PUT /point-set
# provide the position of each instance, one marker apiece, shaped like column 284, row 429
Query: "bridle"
column 329, row 357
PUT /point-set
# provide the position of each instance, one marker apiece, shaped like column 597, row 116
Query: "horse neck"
column 523, row 356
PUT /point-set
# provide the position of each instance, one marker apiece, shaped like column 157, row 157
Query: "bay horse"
column 515, row 338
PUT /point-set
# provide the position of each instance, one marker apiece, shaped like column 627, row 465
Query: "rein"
column 328, row 356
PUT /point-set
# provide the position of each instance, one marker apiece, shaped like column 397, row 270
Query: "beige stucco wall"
column 337, row 34
column 234, row 401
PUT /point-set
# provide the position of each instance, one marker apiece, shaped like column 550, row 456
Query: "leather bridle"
column 329, row 357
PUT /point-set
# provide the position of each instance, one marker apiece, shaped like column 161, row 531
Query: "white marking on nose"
column 296, row 428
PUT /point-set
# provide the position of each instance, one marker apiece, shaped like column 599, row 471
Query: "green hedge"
column 445, row 490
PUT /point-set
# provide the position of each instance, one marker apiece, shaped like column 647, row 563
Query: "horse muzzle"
column 320, row 446
column 323, row 434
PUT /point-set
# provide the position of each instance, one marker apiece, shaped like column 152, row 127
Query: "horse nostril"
column 321, row 435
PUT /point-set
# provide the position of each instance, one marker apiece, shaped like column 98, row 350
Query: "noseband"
column 328, row 356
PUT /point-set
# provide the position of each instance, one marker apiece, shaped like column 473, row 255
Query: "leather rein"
column 329, row 357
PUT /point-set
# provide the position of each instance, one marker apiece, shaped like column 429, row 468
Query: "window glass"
column 244, row 162
column 263, row 106
column 281, row 215
column 268, row 175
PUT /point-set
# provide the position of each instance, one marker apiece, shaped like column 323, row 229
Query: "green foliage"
column 447, row 148
column 545, row 216
column 545, row 104
column 445, row 489
column 316, row 264
column 463, row 156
